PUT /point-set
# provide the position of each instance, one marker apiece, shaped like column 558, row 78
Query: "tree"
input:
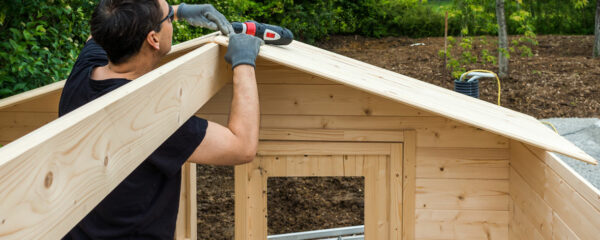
column 502, row 40
column 597, row 30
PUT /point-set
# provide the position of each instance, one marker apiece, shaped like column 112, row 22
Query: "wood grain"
column 457, row 194
column 463, row 163
column 461, row 224
column 313, row 100
column 576, row 211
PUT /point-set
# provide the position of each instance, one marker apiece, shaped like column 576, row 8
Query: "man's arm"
column 237, row 143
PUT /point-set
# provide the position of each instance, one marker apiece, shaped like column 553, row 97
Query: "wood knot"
column 3, row 221
column 367, row 111
column 397, row 175
column 442, row 169
column 331, row 96
column 460, row 197
column 180, row 92
column 424, row 205
column 106, row 161
column 48, row 179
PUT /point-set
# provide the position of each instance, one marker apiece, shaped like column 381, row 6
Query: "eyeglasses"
column 170, row 16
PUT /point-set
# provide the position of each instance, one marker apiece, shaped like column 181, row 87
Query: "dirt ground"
column 560, row 80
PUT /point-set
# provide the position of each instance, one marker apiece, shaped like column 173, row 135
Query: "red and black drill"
column 271, row 34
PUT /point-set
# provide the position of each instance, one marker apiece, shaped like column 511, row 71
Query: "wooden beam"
column 51, row 178
column 409, row 184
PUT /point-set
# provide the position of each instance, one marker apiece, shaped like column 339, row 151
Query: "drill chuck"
column 271, row 34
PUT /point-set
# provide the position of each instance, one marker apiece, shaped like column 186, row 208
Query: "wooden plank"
column 463, row 163
column 75, row 161
column 241, row 201
column 27, row 119
column 376, row 200
column 331, row 135
column 257, row 202
column 192, row 203
column 576, row 181
column 313, row 100
column 457, row 194
column 9, row 134
column 533, row 206
column 522, row 227
column 274, row 73
column 342, row 122
column 14, row 125
column 186, row 227
column 45, row 103
column 433, row 131
column 317, row 148
column 420, row 95
column 395, row 191
column 465, row 136
column 52, row 89
column 579, row 214
column 560, row 230
column 409, row 185
column 461, row 224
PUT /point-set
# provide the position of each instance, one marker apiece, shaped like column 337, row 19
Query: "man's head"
column 125, row 27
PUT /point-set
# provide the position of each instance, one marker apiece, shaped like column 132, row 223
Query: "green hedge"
column 40, row 39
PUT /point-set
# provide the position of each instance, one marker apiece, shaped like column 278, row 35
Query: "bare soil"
column 560, row 80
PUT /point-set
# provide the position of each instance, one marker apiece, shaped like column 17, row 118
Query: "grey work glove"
column 204, row 15
column 242, row 49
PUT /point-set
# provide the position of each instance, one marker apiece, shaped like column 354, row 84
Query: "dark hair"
column 121, row 26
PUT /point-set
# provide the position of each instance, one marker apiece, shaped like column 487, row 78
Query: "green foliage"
column 39, row 43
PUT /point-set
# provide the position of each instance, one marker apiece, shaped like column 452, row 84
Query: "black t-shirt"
column 145, row 204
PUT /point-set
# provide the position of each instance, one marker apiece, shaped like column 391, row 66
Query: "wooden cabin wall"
column 461, row 173
column 25, row 116
column 548, row 199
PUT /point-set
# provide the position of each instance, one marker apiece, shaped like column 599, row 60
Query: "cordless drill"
column 271, row 34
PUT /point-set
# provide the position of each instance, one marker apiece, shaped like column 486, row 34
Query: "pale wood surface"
column 52, row 89
column 560, row 230
column 409, row 185
column 456, row 194
column 52, row 177
column 275, row 73
column 521, row 227
column 461, row 224
column 302, row 99
column 533, row 207
column 187, row 221
column 343, row 122
column 382, row 173
column 44, row 102
column 396, row 175
column 576, row 181
column 316, row 148
column 420, row 95
column 432, row 132
column 463, row 163
column 331, row 135
column 576, row 210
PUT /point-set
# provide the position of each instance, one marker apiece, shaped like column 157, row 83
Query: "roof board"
column 419, row 94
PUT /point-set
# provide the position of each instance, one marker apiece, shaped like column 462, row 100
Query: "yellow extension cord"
column 497, row 79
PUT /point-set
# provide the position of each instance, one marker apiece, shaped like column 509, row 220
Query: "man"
column 129, row 38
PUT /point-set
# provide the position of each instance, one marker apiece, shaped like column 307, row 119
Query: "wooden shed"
column 436, row 164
